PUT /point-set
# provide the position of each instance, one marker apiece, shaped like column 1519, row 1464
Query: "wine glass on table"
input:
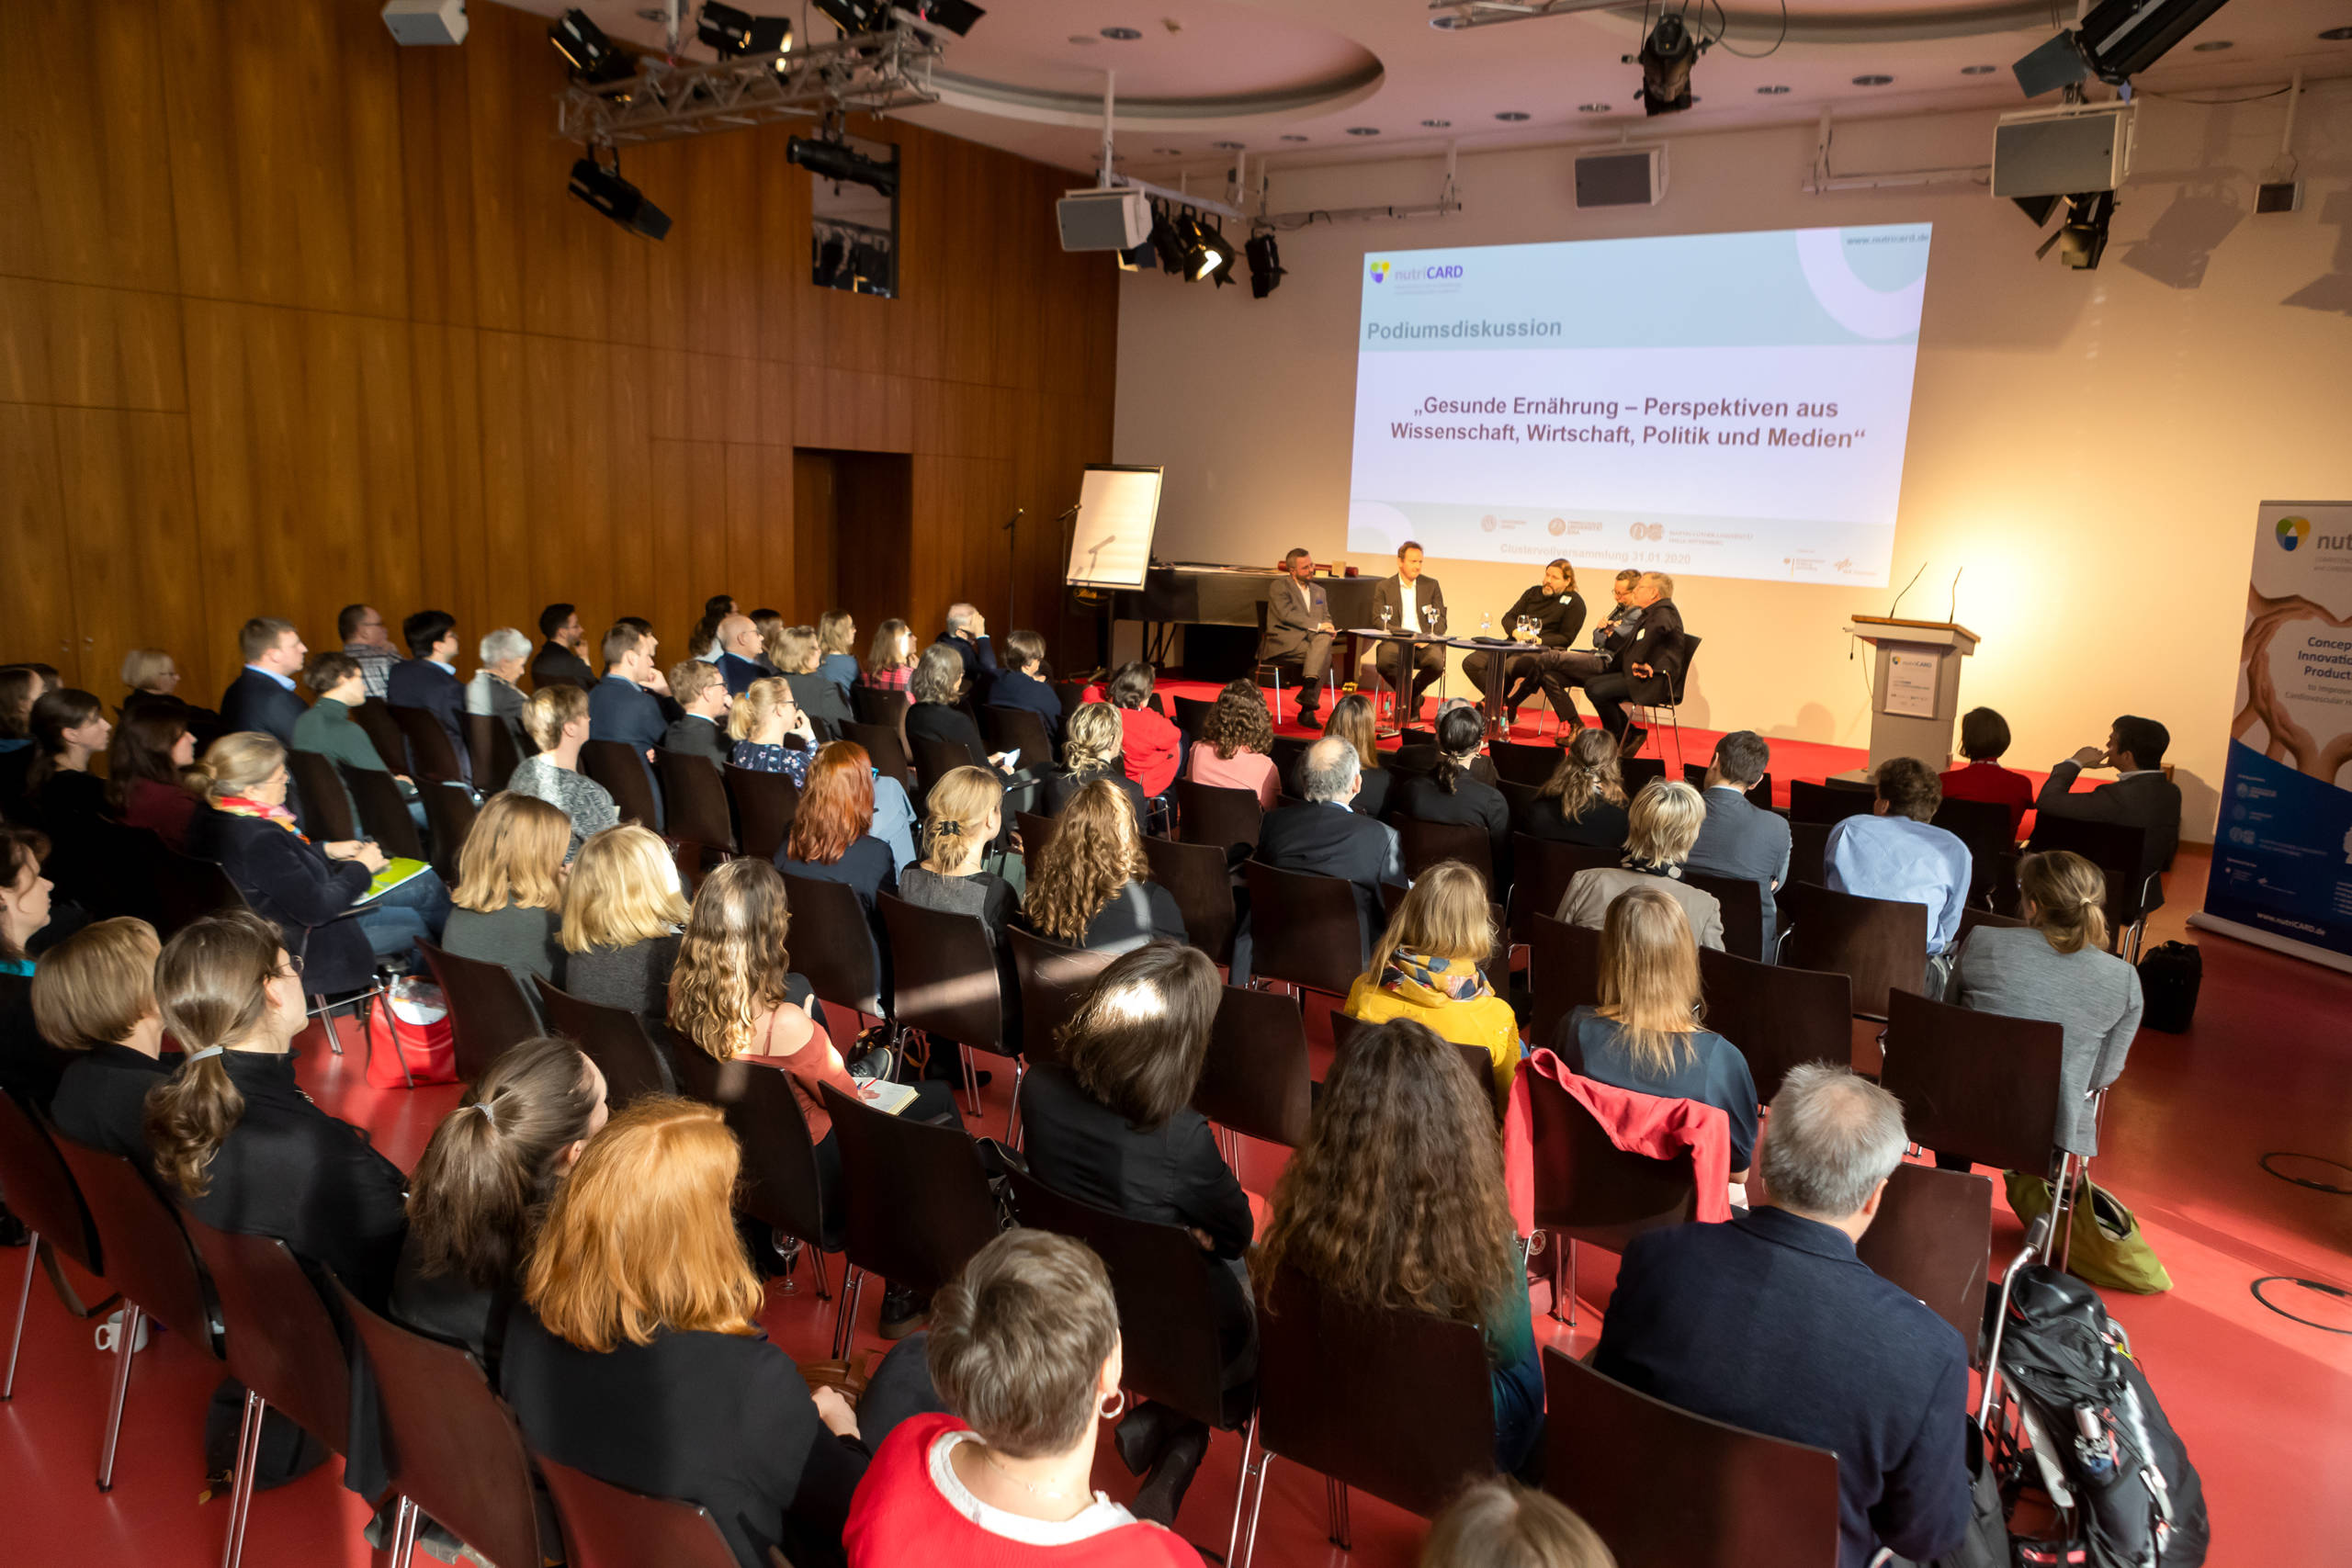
column 1386, row 613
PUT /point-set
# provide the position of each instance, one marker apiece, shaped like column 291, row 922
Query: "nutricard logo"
column 1380, row 272
column 1449, row 273
column 2292, row 531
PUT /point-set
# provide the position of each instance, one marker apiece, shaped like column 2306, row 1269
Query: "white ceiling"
column 1292, row 79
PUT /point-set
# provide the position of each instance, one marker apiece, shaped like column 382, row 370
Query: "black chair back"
column 1826, row 805
column 1983, row 827
column 1778, row 1016
column 1881, row 942
column 1209, row 814
column 621, row 770
column 613, row 1038
column 496, row 748
column 1424, row 844
column 326, row 809
column 2118, row 850
column 1639, row 773
column 1192, row 715
column 1933, row 1237
column 1036, row 831
column 39, row 1190
column 139, row 1237
column 1072, row 695
column 1808, row 856
column 375, row 716
column 1051, row 977
column 833, row 944
column 1743, row 910
column 1521, row 764
column 611, row 1527
column 489, row 1010
column 945, row 979
column 432, row 755
column 1022, row 731
column 1304, row 928
column 882, row 748
column 188, row 889
column 383, row 815
column 934, row 759
column 1564, row 972
column 279, row 1339
column 1284, row 753
column 1198, row 878
column 1972, row 917
column 878, row 705
column 694, row 798
column 1543, row 868
column 764, row 806
column 1978, row 1084
column 917, row 1203
column 1255, row 1079
column 1588, row 1187
column 780, row 1186
column 449, row 813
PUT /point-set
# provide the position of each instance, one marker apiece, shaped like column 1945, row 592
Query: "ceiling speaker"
column 1623, row 177
column 2062, row 151
column 1103, row 219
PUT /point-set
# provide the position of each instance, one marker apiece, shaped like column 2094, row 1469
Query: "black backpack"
column 2170, row 977
column 2137, row 1501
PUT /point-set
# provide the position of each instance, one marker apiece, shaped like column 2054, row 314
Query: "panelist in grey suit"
column 1739, row 837
column 1298, row 625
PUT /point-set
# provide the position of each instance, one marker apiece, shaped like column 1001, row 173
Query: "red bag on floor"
column 411, row 1028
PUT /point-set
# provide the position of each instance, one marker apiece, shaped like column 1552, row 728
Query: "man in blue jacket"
column 429, row 680
column 261, row 699
column 620, row 708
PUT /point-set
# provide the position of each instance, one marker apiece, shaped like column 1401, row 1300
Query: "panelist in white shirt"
column 1410, row 597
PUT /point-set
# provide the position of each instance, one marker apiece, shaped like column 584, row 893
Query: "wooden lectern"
column 1915, row 691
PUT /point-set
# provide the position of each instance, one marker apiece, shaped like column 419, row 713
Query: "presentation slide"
column 1730, row 405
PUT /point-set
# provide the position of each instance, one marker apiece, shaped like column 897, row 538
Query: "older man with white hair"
column 967, row 634
column 494, row 690
column 1330, row 838
column 1773, row 1323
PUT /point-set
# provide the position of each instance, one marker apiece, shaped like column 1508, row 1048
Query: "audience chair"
column 1826, row 805
column 148, row 1260
column 613, row 1038
column 40, row 1192
column 1522, row 764
column 1022, row 731
column 1808, row 858
column 917, row 1203
column 1743, row 911
column 1209, row 814
column 834, row 947
column 696, row 799
column 1664, row 1488
column 495, row 750
column 383, row 815
column 116, row 858
column 1394, row 1402
column 1638, row 772
column 607, row 1525
column 944, row 982
column 1424, row 844
column 878, row 705
column 2118, row 851
column 449, row 813
column 883, row 749
column 280, row 1343
column 1304, row 928
column 1346, row 1029
column 188, row 889
column 1036, row 831
column 1421, row 762
column 375, row 716
column 489, row 1010
column 1050, row 976
column 780, row 1186
column 1518, row 797
column 1255, row 1080
column 1198, row 878
column 326, row 808
column 1881, row 942
column 934, row 759
column 457, row 1454
column 1072, row 695
column 1541, row 870
column 1779, row 1017
column 1972, row 917
column 1284, row 753
column 1760, row 792
column 433, row 756
column 1983, row 827
column 617, row 765
column 1645, row 713
column 1564, row 973
column 1192, row 715
column 1588, row 1190
column 1933, row 1237
column 764, row 806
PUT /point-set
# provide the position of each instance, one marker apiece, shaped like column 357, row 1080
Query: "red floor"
column 2263, row 1403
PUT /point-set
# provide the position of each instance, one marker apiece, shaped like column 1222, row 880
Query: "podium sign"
column 1914, row 688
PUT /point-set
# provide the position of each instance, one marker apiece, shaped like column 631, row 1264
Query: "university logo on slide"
column 1380, row 272
column 2292, row 531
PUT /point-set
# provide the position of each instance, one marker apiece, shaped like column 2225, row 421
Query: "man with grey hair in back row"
column 1774, row 1323
column 1327, row 837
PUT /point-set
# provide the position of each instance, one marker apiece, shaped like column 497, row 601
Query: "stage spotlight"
column 833, row 161
column 1205, row 252
column 1144, row 258
column 955, row 15
column 587, row 50
column 1265, row 265
column 2082, row 239
column 1665, row 59
column 2115, row 41
column 856, row 15
column 1167, row 243
column 732, row 32
column 1226, row 253
column 604, row 190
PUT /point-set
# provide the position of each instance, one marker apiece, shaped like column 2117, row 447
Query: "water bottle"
column 1486, row 624
column 2093, row 1448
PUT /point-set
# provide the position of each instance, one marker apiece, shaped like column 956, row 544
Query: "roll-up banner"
column 2282, row 848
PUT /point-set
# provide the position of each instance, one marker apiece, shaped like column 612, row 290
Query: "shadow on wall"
column 1814, row 723
column 2200, row 806
column 2333, row 292
column 2181, row 243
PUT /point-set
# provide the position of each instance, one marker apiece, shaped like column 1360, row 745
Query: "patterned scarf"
column 1671, row 869
column 238, row 806
column 1434, row 973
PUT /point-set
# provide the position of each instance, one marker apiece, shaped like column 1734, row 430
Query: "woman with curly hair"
column 1235, row 738
column 1397, row 1200
column 1090, row 885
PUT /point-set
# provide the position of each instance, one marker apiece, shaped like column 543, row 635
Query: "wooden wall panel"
column 41, row 624
column 131, row 542
column 105, row 349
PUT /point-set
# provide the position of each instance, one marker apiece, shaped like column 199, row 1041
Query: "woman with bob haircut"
column 509, row 902
column 1426, row 968
column 1235, row 738
column 1499, row 1524
column 63, row 797
column 557, row 718
column 1397, row 1200
column 891, row 657
column 1352, row 720
column 1148, row 744
column 932, row 693
column 1984, row 739
column 150, row 782
column 833, row 832
column 837, row 650
column 94, row 998
column 797, row 656
column 1091, row 885
column 151, row 679
column 234, row 1138
column 1644, row 1036
column 758, row 723
column 1024, row 1349
column 1115, row 1127
column 640, row 1360
column 1660, row 829
column 1091, row 751
column 1584, row 800
column 482, row 1186
column 623, row 910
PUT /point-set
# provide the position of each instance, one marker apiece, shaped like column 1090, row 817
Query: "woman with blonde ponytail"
column 234, row 1140
column 2058, row 969
column 967, row 813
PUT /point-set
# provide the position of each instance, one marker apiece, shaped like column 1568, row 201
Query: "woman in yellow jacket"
column 1426, row 968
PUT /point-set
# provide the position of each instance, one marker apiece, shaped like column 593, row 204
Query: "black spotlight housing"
column 1665, row 59
column 732, row 32
column 955, row 15
column 834, row 161
column 592, row 56
column 604, row 190
column 2082, row 237
column 2115, row 41
column 1224, row 252
column 1167, row 243
column 856, row 15
column 1265, row 265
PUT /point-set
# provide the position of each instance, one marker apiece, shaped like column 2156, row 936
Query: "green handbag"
column 2106, row 1248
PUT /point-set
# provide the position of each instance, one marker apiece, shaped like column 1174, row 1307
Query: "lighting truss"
column 1457, row 16
column 865, row 73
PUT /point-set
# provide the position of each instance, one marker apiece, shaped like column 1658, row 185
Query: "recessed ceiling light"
column 1978, row 69
column 1513, row 115
column 2338, row 35
column 1363, row 131
column 1292, row 136
column 2212, row 46
column 1873, row 81
column 1084, row 38
column 1228, row 146
column 1120, row 35
column 1773, row 92
column 1166, row 152
column 1437, row 124
column 1592, row 109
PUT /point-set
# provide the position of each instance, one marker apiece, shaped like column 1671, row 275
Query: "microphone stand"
column 1013, row 570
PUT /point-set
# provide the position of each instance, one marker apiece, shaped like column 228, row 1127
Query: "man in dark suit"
column 1560, row 670
column 1327, row 837
column 701, row 731
column 1410, row 597
column 1647, row 666
column 1022, row 685
column 967, row 634
column 261, row 699
column 1298, row 625
column 741, row 655
column 1739, row 837
column 1772, row 1323
column 2138, row 796
column 620, row 707
column 560, row 661
column 429, row 680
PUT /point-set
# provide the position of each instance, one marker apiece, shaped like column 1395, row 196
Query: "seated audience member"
column 1644, row 1036
column 429, row 680
column 1327, row 837
column 1091, row 753
column 1024, row 1349
column 1426, row 968
column 836, row 646
column 148, row 776
column 703, row 643
column 833, row 829
column 770, row 625
column 1456, row 795
column 1984, row 739
column 21, row 687
column 1659, row 831
column 1397, row 1200
column 1740, row 838
column 743, row 655
column 151, row 678
column 1235, row 738
column 967, row 634
column 797, row 656
column 641, row 1359
column 234, row 1138
column 1895, row 853
column 63, row 797
column 558, row 720
column 495, row 692
column 306, row 888
column 758, row 723
column 967, row 813
column 1021, row 683
column 1091, row 885
column 701, row 731
column 1423, row 756
column 1149, row 746
column 623, row 911
column 261, row 698
column 2059, row 970
column 932, row 693
column 2138, row 796
column 326, row 727
column 1498, row 1524
column 1112, row 1125
column 622, row 706
column 94, row 998
column 558, row 661
column 1584, row 800
column 370, row 643
column 482, row 1186
column 29, row 1066
column 891, row 659
column 1352, row 720
column 1855, row 1365
column 509, row 899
